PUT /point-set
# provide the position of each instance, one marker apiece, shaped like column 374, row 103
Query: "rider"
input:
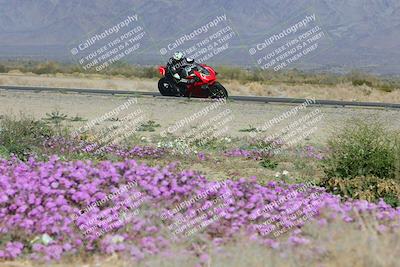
column 175, row 66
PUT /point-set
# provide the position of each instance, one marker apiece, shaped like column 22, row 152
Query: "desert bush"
column 385, row 84
column 268, row 163
column 233, row 73
column 362, row 149
column 149, row 72
column 4, row 152
column 361, row 82
column 388, row 86
column 49, row 67
column 364, row 162
column 22, row 137
column 358, row 78
column 369, row 188
column 240, row 74
column 2, row 69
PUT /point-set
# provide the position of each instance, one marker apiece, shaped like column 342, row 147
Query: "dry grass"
column 336, row 245
column 342, row 91
column 346, row 92
column 78, row 81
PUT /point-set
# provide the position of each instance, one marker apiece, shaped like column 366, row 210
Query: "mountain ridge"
column 361, row 33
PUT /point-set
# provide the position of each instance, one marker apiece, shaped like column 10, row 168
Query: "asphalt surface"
column 260, row 99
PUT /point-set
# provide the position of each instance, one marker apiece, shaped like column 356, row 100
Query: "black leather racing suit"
column 176, row 67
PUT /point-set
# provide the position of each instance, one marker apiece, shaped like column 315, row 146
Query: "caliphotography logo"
column 199, row 133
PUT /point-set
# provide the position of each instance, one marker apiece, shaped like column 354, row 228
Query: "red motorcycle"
column 198, row 80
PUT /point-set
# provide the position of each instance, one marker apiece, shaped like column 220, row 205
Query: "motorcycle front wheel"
column 218, row 91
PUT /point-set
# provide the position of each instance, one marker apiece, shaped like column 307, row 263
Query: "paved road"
column 261, row 99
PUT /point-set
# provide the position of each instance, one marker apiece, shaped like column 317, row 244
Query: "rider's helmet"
column 178, row 56
column 177, row 59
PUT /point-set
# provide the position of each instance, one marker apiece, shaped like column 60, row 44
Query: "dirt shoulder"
column 178, row 116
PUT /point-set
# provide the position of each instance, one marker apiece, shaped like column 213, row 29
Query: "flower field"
column 47, row 210
column 66, row 202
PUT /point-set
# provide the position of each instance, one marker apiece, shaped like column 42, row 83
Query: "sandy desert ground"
column 356, row 248
column 168, row 111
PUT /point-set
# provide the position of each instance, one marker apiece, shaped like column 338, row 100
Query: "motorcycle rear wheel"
column 165, row 88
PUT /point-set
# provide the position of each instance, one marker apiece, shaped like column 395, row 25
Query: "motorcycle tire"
column 218, row 91
column 165, row 88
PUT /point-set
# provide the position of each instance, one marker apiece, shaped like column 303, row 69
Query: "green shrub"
column 364, row 162
column 149, row 126
column 4, row 152
column 387, row 87
column 49, row 67
column 362, row 82
column 22, row 137
column 2, row 69
column 248, row 130
column 240, row 74
column 269, row 164
column 362, row 149
column 369, row 188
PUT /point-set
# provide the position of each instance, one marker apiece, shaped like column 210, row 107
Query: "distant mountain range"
column 362, row 34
